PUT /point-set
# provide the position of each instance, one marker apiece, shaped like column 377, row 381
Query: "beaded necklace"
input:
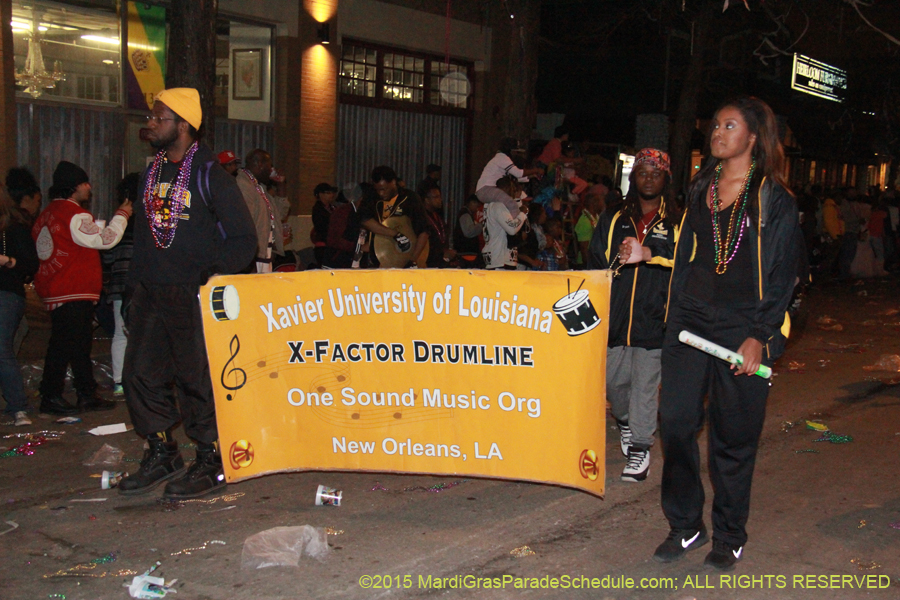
column 727, row 247
column 437, row 223
column 162, row 216
column 262, row 194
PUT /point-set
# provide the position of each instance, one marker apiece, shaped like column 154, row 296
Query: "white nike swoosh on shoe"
column 737, row 553
column 686, row 543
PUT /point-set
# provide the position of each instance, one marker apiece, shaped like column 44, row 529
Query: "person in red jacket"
column 69, row 281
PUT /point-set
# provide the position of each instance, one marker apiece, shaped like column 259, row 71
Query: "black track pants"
column 736, row 411
column 166, row 371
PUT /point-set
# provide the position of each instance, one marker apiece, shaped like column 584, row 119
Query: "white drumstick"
column 686, row 337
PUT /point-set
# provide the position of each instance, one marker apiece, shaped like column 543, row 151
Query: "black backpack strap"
column 143, row 185
column 205, row 194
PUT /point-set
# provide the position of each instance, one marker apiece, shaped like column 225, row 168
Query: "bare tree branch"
column 780, row 28
column 856, row 4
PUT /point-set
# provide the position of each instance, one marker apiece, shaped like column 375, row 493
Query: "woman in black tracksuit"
column 735, row 269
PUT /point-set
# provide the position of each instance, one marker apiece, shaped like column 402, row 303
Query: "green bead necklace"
column 727, row 248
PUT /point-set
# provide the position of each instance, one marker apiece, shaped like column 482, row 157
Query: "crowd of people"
column 181, row 221
column 539, row 217
column 723, row 266
column 848, row 234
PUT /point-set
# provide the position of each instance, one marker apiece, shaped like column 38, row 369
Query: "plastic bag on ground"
column 283, row 547
column 106, row 456
column 886, row 362
column 31, row 376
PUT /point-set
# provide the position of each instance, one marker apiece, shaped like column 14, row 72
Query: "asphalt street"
column 824, row 522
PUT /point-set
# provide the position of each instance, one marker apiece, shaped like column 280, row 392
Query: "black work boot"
column 56, row 405
column 94, row 401
column 161, row 462
column 203, row 477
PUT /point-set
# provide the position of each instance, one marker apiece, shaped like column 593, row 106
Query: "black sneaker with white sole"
column 638, row 466
column 723, row 555
column 624, row 436
column 679, row 542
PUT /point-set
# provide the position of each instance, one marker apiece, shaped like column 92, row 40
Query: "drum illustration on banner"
column 576, row 312
column 225, row 303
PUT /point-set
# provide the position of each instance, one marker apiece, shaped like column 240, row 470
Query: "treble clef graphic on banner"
column 240, row 377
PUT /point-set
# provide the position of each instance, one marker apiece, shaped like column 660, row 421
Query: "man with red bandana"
column 639, row 242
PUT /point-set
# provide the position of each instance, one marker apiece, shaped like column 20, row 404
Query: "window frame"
column 380, row 101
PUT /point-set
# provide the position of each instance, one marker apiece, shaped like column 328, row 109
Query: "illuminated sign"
column 813, row 77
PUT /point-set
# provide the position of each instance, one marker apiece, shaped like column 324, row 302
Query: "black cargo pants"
column 166, row 370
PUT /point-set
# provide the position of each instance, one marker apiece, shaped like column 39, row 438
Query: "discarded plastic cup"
column 326, row 496
column 110, row 479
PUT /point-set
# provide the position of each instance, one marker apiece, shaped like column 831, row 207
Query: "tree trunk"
column 521, row 105
column 191, row 60
column 686, row 116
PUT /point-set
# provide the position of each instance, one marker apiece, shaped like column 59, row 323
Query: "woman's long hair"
column 8, row 210
column 767, row 150
column 20, row 182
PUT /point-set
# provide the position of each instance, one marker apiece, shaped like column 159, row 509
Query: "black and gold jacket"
column 637, row 304
column 775, row 240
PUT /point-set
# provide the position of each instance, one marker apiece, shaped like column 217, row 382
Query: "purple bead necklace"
column 164, row 212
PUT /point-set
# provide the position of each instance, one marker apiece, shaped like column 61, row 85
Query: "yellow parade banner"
column 452, row 372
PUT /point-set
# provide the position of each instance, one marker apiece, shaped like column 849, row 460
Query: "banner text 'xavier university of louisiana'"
column 498, row 374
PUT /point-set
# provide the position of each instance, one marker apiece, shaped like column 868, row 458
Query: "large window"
column 386, row 76
column 358, row 66
column 450, row 85
column 76, row 51
column 69, row 51
column 404, row 77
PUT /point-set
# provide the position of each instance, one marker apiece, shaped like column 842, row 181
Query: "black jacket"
column 408, row 204
column 215, row 234
column 774, row 237
column 637, row 304
column 320, row 218
column 19, row 245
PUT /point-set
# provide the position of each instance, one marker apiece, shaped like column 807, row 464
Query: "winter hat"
column 184, row 102
column 69, row 175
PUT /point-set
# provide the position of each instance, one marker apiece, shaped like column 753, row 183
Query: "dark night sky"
column 602, row 62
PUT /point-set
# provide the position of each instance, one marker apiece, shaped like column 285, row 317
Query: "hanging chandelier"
column 35, row 77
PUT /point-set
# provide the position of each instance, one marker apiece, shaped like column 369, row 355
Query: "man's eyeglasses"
column 158, row 120
column 650, row 174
